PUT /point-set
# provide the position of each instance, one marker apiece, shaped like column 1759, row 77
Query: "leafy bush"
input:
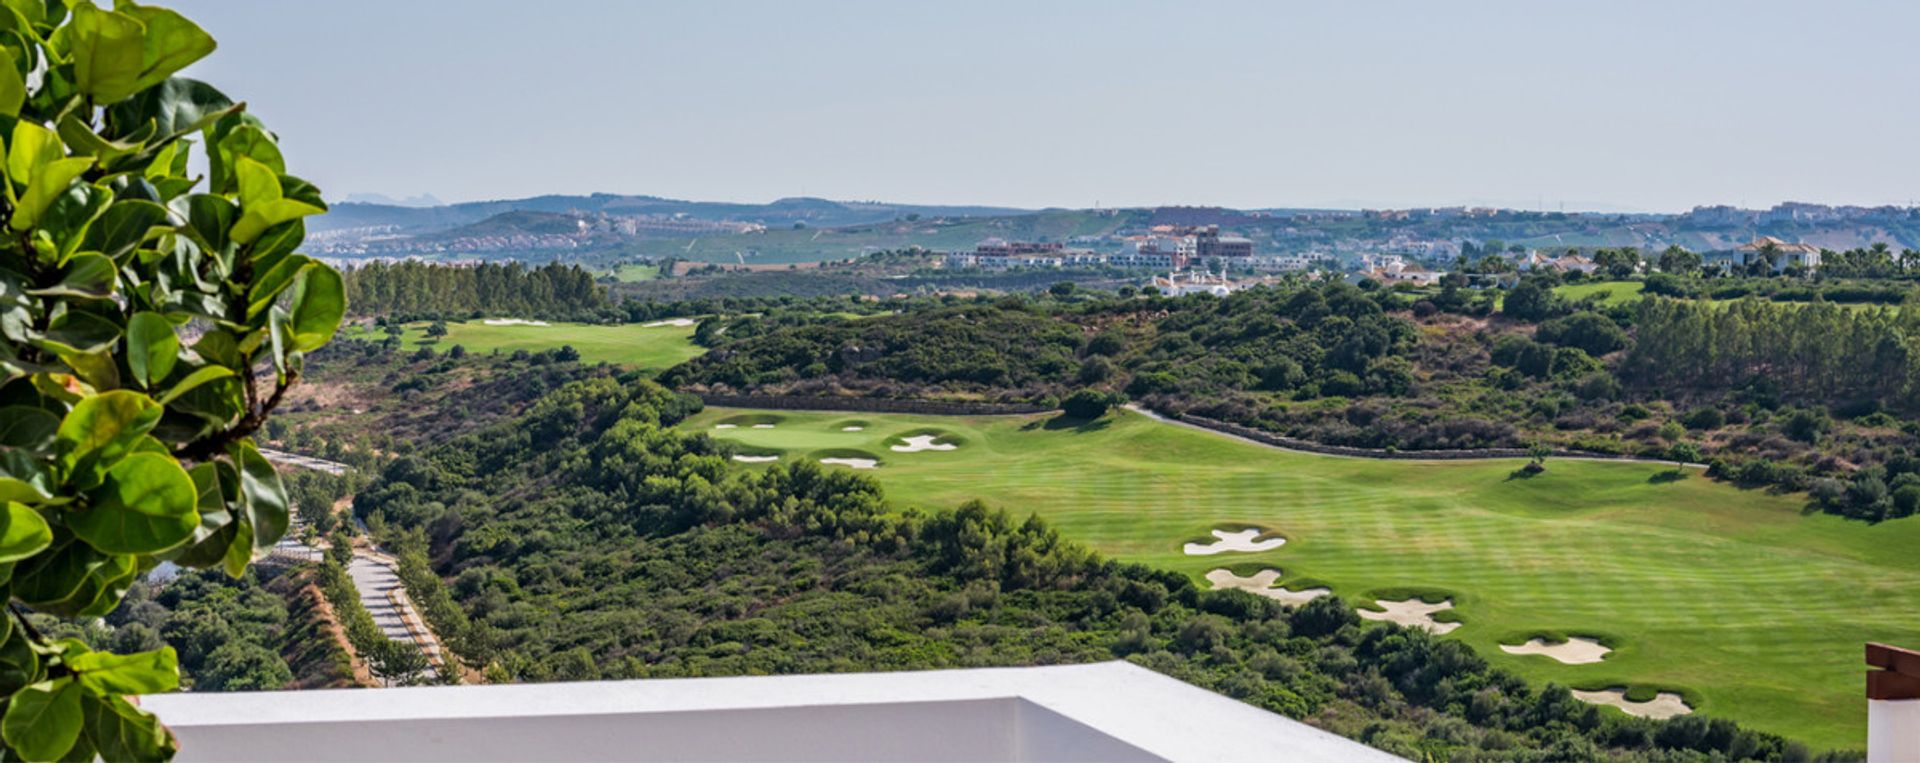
column 123, row 445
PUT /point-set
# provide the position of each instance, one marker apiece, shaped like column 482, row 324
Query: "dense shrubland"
column 588, row 539
column 1791, row 396
column 261, row 631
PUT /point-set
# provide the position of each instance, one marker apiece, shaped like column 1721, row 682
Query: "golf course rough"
column 1586, row 548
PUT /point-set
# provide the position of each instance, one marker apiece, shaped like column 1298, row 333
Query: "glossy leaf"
column 13, row 88
column 139, row 673
column 43, row 720
column 117, row 730
column 193, row 380
column 23, row 533
column 319, row 303
column 152, row 347
column 88, row 276
column 145, row 505
column 121, row 52
column 275, row 280
column 177, row 106
column 264, row 495
column 103, row 428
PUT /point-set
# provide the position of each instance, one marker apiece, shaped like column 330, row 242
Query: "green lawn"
column 636, row 345
column 631, row 273
column 1753, row 610
column 1617, row 291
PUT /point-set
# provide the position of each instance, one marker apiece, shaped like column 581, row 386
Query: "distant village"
column 1202, row 259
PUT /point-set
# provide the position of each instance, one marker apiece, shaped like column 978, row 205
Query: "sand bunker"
column 763, row 426
column 919, row 443
column 672, row 322
column 1241, row 540
column 1413, row 613
column 851, row 429
column 1576, row 650
column 514, row 322
column 1664, row 705
column 726, row 426
column 853, row 463
column 1262, row 583
column 755, row 459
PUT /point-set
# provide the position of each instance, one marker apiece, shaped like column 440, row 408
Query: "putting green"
column 1751, row 609
column 632, row 344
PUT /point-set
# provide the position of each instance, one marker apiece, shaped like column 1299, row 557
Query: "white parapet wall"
column 1893, row 730
column 1111, row 711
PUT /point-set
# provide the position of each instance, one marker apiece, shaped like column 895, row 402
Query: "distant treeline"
column 553, row 291
column 1819, row 352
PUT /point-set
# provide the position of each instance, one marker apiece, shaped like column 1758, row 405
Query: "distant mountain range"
column 412, row 218
column 604, row 227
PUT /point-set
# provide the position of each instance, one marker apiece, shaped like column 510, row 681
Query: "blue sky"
column 1617, row 105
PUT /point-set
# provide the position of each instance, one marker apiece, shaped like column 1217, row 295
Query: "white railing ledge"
column 1108, row 711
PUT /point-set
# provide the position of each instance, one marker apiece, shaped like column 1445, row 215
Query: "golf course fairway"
column 1733, row 598
column 632, row 344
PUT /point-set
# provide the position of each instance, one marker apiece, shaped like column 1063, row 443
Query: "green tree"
column 124, row 446
column 398, row 663
column 1087, row 404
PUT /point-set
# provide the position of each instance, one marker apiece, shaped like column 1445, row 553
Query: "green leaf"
column 262, row 493
column 80, row 331
column 103, row 428
column 175, row 107
column 259, row 184
column 121, row 52
column 209, row 218
column 268, row 285
column 88, row 276
column 257, row 218
column 319, row 302
column 124, row 226
column 13, row 89
column 119, row 731
column 138, row 673
column 47, row 185
column 43, row 720
column 146, row 505
column 198, row 377
column 30, row 148
column 24, row 426
column 56, row 575
column 23, row 533
column 152, row 347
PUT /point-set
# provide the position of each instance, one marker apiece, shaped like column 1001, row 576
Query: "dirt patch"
column 1262, row 583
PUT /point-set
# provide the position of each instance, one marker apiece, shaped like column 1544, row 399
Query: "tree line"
column 553, row 291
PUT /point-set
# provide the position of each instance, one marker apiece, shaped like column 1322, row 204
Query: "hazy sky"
column 1653, row 106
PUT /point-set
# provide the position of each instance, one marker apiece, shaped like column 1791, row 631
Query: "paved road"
column 373, row 574
column 316, row 464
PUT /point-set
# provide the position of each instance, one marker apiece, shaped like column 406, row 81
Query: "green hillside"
column 1751, row 609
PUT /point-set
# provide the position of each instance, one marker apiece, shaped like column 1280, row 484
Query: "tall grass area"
column 1752, row 609
column 633, row 345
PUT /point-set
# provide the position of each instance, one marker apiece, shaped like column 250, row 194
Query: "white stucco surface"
column 1110, row 711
